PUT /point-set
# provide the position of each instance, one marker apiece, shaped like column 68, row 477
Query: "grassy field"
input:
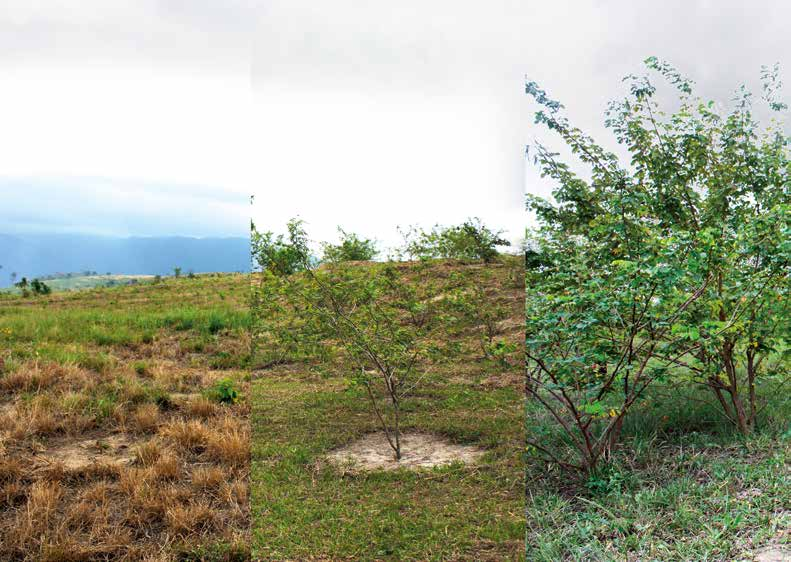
column 78, row 282
column 119, row 434
column 306, row 508
column 693, row 489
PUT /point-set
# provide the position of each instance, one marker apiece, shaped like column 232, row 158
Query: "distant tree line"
column 469, row 241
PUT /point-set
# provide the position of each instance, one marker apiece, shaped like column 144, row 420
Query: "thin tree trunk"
column 751, row 385
column 394, row 398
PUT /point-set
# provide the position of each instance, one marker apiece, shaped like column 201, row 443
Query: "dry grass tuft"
column 229, row 443
column 36, row 377
column 146, row 418
column 209, row 478
column 148, row 453
column 236, row 492
column 11, row 469
column 30, row 378
column 188, row 519
column 34, row 419
column 42, row 503
column 167, row 468
column 201, row 407
column 191, row 435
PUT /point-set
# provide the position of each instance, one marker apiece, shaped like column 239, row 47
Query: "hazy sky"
column 580, row 50
column 378, row 114
column 125, row 117
column 160, row 117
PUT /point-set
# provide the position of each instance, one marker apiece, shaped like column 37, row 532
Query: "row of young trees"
column 671, row 267
column 36, row 286
column 469, row 241
column 381, row 315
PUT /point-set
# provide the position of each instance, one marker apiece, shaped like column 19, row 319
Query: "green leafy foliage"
column 223, row 391
column 469, row 241
column 376, row 318
column 277, row 254
column 351, row 248
column 671, row 267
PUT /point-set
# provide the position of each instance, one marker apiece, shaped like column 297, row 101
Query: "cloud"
column 581, row 49
column 104, row 206
column 364, row 114
column 126, row 117
column 376, row 114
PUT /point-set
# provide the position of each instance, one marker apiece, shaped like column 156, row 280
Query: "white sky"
column 125, row 118
column 161, row 116
column 379, row 114
column 581, row 49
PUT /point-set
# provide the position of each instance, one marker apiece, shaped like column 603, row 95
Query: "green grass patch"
column 683, row 486
column 303, row 507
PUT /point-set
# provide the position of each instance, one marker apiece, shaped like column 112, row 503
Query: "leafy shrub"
column 223, row 391
column 276, row 254
column 39, row 287
column 351, row 248
column 469, row 241
column 377, row 317
column 670, row 267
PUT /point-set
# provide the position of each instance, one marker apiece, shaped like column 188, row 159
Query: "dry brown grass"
column 147, row 453
column 188, row 435
column 201, row 407
column 229, row 443
column 209, row 478
column 183, row 520
column 167, row 468
column 146, row 418
column 156, row 482
column 36, row 377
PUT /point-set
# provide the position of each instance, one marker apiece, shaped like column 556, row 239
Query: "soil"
column 773, row 554
column 76, row 455
column 418, row 451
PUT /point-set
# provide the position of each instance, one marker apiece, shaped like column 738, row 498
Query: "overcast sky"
column 125, row 118
column 379, row 114
column 580, row 50
column 160, row 117
column 383, row 113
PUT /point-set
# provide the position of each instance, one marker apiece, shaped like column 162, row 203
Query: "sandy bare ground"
column 418, row 450
column 773, row 554
column 76, row 455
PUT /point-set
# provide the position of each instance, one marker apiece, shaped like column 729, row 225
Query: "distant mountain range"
column 36, row 255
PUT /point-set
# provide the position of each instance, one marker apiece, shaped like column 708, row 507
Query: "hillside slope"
column 120, row 438
column 305, row 408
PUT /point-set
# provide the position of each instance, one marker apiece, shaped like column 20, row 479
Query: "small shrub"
column 223, row 391
column 351, row 248
column 469, row 241
column 141, row 368
column 216, row 324
column 276, row 254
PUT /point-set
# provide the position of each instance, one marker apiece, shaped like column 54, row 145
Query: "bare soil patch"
column 418, row 450
column 773, row 554
column 76, row 455
column 184, row 396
